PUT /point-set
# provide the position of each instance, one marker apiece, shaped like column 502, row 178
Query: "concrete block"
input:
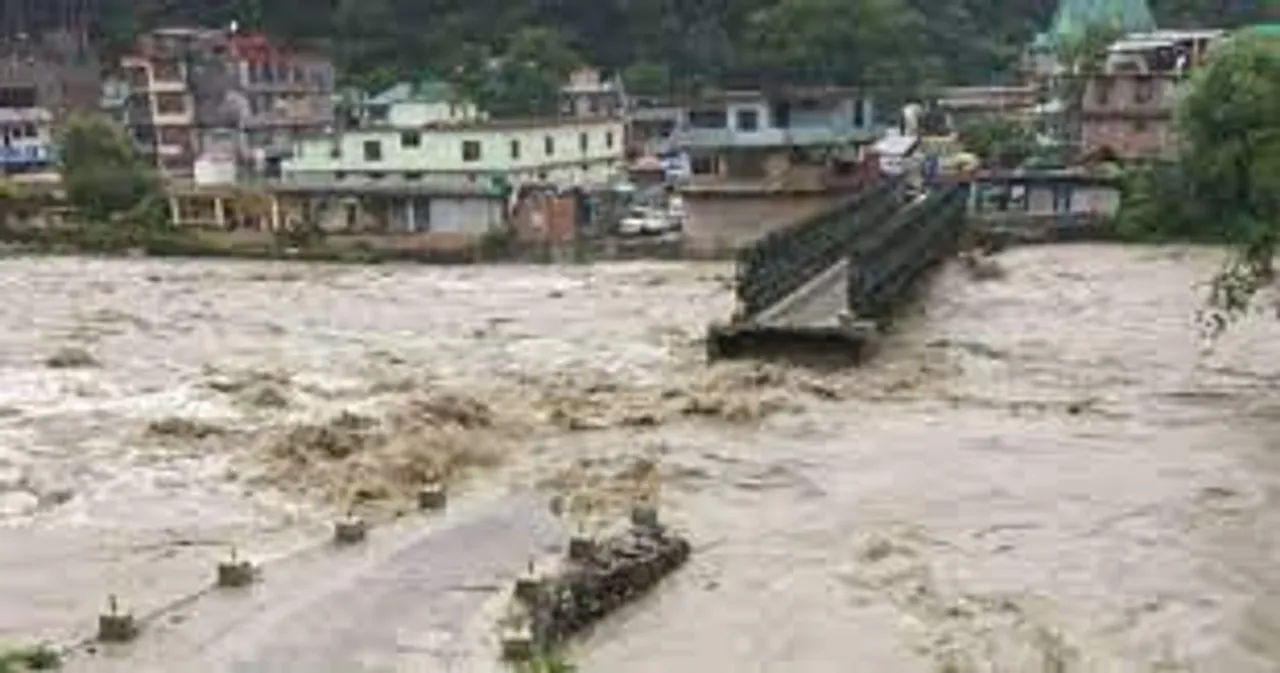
column 349, row 531
column 581, row 548
column 432, row 498
column 527, row 588
column 235, row 574
column 115, row 626
column 517, row 643
column 645, row 516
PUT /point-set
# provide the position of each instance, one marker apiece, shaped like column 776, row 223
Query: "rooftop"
column 1161, row 38
column 826, row 93
column 422, row 91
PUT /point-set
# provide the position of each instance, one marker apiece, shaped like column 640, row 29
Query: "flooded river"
column 1047, row 472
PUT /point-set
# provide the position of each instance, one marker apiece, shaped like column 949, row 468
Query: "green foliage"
column 647, row 79
column 998, row 141
column 894, row 43
column 104, row 177
column 548, row 662
column 1155, row 207
column 1226, row 186
column 24, row 659
column 525, row 78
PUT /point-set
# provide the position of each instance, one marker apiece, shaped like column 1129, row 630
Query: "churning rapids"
column 1046, row 472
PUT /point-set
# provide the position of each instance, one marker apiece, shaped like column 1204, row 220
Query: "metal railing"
column 885, row 264
column 784, row 260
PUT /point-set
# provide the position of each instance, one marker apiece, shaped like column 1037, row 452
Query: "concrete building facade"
column 563, row 151
column 1127, row 110
column 189, row 88
column 784, row 137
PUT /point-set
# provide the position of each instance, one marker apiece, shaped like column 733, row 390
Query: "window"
column 549, row 145
column 412, row 176
column 166, row 71
column 375, row 176
column 608, row 139
column 515, row 149
column 1139, row 126
column 748, row 120
column 335, row 152
column 583, row 143
column 1144, row 90
column 1102, row 91
column 859, row 113
column 410, row 139
column 339, row 175
column 708, row 119
column 372, row 150
column 172, row 135
column 170, row 104
column 471, row 150
column 703, row 165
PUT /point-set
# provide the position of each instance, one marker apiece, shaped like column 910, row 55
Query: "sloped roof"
column 1074, row 17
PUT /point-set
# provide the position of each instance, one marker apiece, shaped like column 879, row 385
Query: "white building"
column 447, row 143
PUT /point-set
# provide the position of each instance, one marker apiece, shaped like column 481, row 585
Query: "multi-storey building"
column 425, row 136
column 798, row 137
column 588, row 94
column 193, row 88
column 42, row 78
column 1127, row 110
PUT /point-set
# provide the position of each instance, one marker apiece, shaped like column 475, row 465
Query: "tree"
column 1231, row 154
column 104, row 177
column 524, row 79
column 1225, row 185
column 998, row 141
column 647, row 79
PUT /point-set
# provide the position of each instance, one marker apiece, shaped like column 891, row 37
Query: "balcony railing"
column 771, row 137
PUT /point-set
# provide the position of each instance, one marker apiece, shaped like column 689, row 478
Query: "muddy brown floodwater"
column 1045, row 472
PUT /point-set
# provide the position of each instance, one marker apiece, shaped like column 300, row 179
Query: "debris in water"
column 599, row 577
column 256, row 389
column 71, row 358
column 183, row 428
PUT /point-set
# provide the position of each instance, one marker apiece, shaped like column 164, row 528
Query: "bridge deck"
column 882, row 256
column 416, row 600
column 807, row 323
column 817, row 303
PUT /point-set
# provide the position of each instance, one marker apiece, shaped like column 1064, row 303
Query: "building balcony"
column 771, row 137
column 27, row 155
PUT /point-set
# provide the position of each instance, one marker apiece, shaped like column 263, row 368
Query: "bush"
column 497, row 244
column 38, row 658
column 105, row 178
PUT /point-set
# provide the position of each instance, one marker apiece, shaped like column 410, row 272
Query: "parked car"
column 641, row 221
